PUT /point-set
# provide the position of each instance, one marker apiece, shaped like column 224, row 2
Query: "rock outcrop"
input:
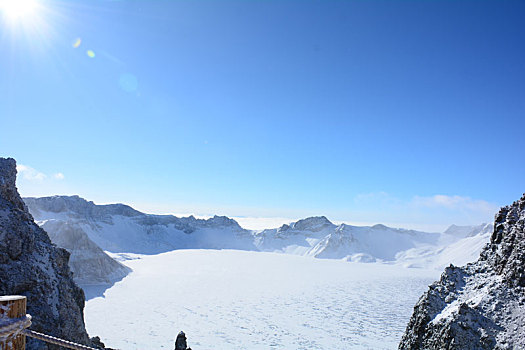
column 480, row 305
column 88, row 262
column 31, row 265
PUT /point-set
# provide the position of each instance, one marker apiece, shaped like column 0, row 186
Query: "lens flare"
column 90, row 53
column 77, row 42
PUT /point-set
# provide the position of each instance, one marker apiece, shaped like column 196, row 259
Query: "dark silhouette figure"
column 180, row 343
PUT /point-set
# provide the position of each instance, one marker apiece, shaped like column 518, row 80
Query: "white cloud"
column 436, row 211
column 460, row 203
column 29, row 173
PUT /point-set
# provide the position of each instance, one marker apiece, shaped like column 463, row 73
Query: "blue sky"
column 409, row 113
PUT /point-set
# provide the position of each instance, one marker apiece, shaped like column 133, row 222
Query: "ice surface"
column 227, row 299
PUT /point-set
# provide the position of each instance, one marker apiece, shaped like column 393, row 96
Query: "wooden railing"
column 12, row 307
column 14, row 323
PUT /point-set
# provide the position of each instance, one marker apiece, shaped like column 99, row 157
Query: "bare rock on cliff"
column 480, row 305
column 31, row 265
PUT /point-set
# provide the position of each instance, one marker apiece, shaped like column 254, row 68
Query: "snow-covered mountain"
column 480, row 305
column 88, row 262
column 458, row 245
column 86, row 230
column 318, row 237
column 119, row 228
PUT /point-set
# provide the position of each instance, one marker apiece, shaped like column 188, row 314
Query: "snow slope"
column 89, row 263
column 251, row 300
column 318, row 237
column 121, row 229
column 458, row 245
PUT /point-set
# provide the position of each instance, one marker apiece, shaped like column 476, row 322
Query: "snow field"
column 229, row 299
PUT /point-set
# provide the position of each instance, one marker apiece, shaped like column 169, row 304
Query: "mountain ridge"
column 32, row 266
column 119, row 228
column 480, row 305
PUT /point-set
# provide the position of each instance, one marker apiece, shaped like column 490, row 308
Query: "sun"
column 28, row 22
column 18, row 9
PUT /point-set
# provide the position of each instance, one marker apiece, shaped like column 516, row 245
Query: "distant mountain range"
column 87, row 230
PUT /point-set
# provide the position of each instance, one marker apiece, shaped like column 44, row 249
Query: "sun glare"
column 18, row 9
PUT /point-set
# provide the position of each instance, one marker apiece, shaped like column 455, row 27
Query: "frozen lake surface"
column 227, row 299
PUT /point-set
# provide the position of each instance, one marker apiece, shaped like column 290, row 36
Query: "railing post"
column 13, row 306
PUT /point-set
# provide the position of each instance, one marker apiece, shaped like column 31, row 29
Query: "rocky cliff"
column 89, row 263
column 31, row 265
column 480, row 305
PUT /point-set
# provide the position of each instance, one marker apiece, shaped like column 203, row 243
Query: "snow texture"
column 119, row 228
column 480, row 305
column 228, row 299
column 250, row 297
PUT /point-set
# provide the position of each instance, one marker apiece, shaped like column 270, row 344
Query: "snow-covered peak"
column 468, row 231
column 313, row 224
column 120, row 228
column 380, row 227
column 222, row 221
column 77, row 207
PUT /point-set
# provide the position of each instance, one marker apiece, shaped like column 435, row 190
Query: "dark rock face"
column 506, row 251
column 8, row 191
column 31, row 265
column 180, row 342
column 480, row 305
column 314, row 224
